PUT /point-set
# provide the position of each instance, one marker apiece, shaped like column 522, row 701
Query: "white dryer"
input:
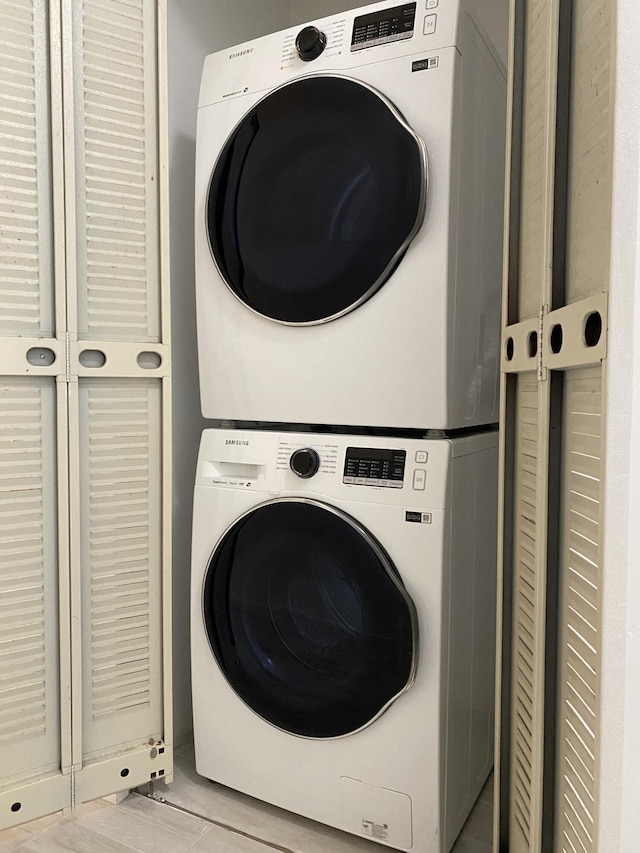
column 343, row 626
column 349, row 196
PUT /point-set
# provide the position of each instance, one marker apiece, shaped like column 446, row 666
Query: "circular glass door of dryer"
column 308, row 619
column 314, row 199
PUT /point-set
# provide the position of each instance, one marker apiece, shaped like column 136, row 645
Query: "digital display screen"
column 383, row 27
column 365, row 466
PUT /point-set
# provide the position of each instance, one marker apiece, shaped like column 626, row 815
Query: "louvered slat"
column 29, row 675
column 121, row 562
column 26, row 260
column 116, row 178
column 579, row 620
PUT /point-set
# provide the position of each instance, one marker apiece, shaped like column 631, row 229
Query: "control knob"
column 310, row 42
column 304, row 462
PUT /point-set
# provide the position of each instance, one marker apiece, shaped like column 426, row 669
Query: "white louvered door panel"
column 118, row 319
column 26, row 220
column 526, row 405
column 120, row 523
column 29, row 671
column 590, row 152
column 580, row 613
column 34, row 665
column 115, row 140
column 120, row 552
column 525, row 674
column 536, row 153
column 581, row 568
column 35, row 732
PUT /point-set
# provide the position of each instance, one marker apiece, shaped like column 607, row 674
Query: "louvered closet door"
column 35, row 757
column 119, row 394
column 554, row 358
column 584, row 324
column 526, row 400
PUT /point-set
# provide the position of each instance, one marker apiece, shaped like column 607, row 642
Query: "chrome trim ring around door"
column 387, row 565
column 397, row 257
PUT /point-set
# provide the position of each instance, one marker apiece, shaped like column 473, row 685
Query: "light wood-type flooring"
column 198, row 816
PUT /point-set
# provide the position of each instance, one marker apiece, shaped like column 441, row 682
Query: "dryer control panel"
column 383, row 26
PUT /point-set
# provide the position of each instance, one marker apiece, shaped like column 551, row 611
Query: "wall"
column 620, row 765
column 303, row 11
column 196, row 28
column 493, row 16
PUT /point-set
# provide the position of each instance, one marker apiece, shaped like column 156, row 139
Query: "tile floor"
column 198, row 816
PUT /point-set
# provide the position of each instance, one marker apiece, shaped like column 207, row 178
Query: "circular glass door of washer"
column 314, row 199
column 308, row 619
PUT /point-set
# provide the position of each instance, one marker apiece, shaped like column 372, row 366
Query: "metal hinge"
column 67, row 357
column 540, row 369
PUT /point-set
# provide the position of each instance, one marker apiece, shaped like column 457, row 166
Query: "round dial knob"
column 310, row 42
column 304, row 462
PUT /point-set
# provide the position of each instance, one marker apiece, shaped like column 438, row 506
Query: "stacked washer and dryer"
column 349, row 190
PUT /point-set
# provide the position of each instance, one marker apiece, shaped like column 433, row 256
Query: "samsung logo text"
column 240, row 53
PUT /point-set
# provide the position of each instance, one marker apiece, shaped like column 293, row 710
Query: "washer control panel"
column 368, row 466
column 384, row 26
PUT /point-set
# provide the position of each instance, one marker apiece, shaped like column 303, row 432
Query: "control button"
column 372, row 482
column 429, row 25
column 310, row 42
column 361, row 481
column 419, row 479
column 304, row 462
column 395, row 484
column 421, row 456
column 349, row 480
column 432, row 4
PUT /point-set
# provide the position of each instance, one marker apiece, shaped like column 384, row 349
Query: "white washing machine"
column 349, row 197
column 343, row 625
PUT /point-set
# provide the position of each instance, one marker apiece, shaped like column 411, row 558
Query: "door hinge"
column 540, row 369
column 67, row 357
